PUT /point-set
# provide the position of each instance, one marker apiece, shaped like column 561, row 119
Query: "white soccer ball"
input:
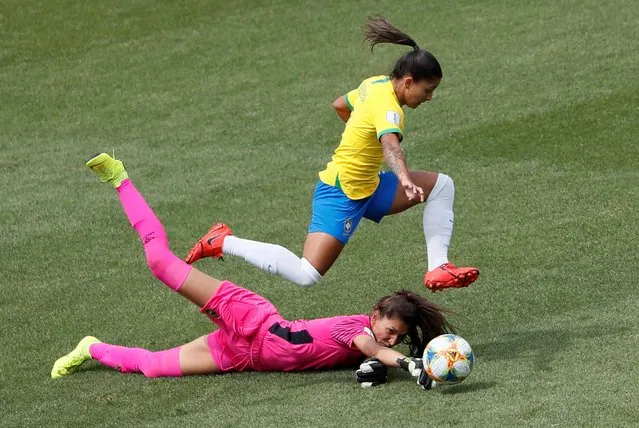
column 448, row 359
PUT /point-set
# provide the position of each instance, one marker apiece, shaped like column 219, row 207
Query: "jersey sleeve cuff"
column 391, row 131
column 348, row 102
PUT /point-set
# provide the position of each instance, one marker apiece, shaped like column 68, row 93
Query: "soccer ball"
column 448, row 359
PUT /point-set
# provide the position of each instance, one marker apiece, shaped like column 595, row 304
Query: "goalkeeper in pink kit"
column 252, row 335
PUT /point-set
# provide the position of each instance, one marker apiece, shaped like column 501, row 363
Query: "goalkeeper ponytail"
column 425, row 320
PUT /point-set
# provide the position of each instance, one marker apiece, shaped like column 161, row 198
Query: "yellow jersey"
column 359, row 158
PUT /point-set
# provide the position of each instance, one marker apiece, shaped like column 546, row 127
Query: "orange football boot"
column 450, row 276
column 210, row 245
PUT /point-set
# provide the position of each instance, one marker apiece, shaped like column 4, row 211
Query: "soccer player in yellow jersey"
column 353, row 184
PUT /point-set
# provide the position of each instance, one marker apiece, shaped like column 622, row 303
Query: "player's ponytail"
column 425, row 320
column 419, row 63
column 380, row 30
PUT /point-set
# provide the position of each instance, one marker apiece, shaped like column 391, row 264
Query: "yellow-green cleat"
column 109, row 170
column 71, row 362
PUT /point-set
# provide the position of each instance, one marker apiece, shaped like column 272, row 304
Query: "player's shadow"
column 541, row 344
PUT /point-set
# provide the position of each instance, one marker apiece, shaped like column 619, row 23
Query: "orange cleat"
column 210, row 245
column 450, row 276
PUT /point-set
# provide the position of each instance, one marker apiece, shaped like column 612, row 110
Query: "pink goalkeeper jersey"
column 315, row 344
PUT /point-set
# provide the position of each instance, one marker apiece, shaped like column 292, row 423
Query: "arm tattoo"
column 395, row 158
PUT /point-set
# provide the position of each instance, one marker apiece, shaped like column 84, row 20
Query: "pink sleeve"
column 346, row 330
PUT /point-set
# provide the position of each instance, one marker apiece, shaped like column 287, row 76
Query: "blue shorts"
column 337, row 215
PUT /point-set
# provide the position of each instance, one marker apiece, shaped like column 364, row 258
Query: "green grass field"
column 221, row 111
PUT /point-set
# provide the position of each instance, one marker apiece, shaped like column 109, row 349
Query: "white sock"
column 438, row 221
column 274, row 259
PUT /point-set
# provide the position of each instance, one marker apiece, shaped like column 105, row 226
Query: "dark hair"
column 419, row 63
column 425, row 320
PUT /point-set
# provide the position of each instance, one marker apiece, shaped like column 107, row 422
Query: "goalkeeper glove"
column 415, row 366
column 371, row 372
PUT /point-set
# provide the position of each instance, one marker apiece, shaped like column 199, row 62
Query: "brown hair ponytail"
column 380, row 30
column 419, row 63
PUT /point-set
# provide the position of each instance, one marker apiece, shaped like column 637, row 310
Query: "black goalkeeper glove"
column 415, row 366
column 371, row 373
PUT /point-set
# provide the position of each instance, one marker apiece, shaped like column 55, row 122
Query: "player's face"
column 388, row 331
column 418, row 92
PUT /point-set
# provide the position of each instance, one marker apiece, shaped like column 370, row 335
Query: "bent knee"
column 444, row 188
column 446, row 180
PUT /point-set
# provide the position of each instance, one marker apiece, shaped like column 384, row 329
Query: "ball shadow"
column 465, row 387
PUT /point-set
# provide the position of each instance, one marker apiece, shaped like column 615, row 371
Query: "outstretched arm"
column 341, row 108
column 370, row 348
column 391, row 358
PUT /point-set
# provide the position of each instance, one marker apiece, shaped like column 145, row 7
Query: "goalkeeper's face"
column 388, row 331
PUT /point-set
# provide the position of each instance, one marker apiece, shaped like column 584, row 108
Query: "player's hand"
column 413, row 192
column 415, row 366
column 371, row 373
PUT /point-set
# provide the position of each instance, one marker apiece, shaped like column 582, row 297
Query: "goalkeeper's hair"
column 419, row 63
column 425, row 320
